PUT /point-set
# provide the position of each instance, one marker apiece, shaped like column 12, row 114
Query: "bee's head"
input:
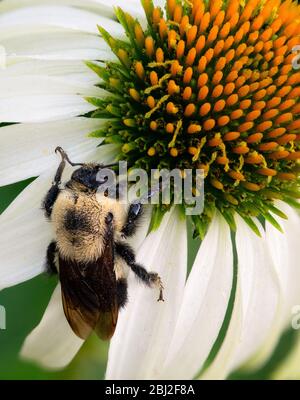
column 88, row 176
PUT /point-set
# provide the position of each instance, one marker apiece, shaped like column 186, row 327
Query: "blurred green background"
column 26, row 303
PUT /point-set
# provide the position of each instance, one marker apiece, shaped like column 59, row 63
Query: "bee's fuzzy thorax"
column 79, row 221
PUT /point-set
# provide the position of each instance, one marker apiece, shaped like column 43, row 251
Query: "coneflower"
column 209, row 85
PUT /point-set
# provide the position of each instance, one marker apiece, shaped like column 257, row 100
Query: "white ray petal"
column 257, row 308
column 72, row 72
column 34, row 98
column 283, row 248
column 43, row 108
column 60, row 16
column 27, row 150
column 103, row 7
column 3, row 58
column 50, row 43
column 24, row 231
column 261, row 291
column 23, row 244
column 52, row 344
column 204, row 305
column 160, row 3
column 142, row 337
column 220, row 366
column 34, row 85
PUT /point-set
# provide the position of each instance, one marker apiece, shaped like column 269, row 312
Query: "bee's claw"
column 155, row 280
column 161, row 288
column 161, row 296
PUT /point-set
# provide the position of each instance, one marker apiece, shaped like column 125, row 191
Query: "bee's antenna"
column 64, row 156
column 109, row 165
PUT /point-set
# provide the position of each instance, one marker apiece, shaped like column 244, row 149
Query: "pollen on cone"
column 255, row 138
column 190, row 110
column 219, row 105
column 153, row 78
column 236, row 114
column 151, row 101
column 187, row 75
column 202, row 80
column 205, row 109
column 203, row 92
column 229, row 88
column 224, row 120
column 151, row 152
column 169, row 128
column 209, row 124
column 149, row 44
column 180, row 49
column 187, row 93
column 200, row 44
column 139, row 69
column 231, row 136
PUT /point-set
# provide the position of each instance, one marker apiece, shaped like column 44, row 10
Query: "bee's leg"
column 134, row 214
column 50, row 199
column 122, row 292
column 151, row 279
column 54, row 190
column 136, row 209
column 51, row 268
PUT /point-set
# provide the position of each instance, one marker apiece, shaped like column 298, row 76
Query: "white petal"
column 27, row 150
column 220, row 367
column 23, row 244
column 257, row 307
column 140, row 344
column 54, row 44
column 39, row 99
column 42, row 85
column 3, row 60
column 72, row 72
column 24, row 231
column 43, row 108
column 60, row 16
column 205, row 301
column 283, row 248
column 260, row 288
column 102, row 6
column 160, row 3
column 52, row 344
column 284, row 251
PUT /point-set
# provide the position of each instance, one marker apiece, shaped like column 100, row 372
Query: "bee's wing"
column 89, row 294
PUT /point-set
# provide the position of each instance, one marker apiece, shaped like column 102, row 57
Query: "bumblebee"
column 90, row 253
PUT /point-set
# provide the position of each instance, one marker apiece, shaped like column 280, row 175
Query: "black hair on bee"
column 90, row 253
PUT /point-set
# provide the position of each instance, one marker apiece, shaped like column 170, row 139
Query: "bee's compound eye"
column 135, row 209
